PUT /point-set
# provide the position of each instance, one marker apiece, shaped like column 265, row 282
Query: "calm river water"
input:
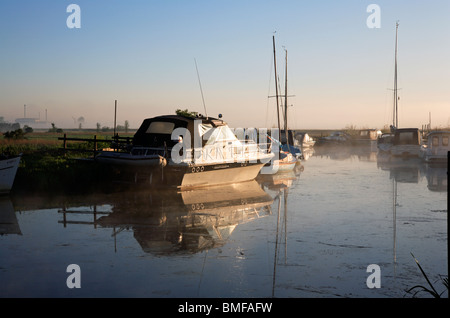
column 310, row 233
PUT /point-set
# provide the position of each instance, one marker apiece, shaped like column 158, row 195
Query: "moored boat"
column 188, row 152
column 384, row 142
column 303, row 140
column 366, row 137
column 8, row 170
column 406, row 142
column 289, row 155
column 436, row 148
column 336, row 138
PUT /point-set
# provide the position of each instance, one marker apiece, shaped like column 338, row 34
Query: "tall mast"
column 286, row 133
column 276, row 84
column 395, row 116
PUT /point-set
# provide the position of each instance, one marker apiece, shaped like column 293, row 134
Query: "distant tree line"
column 125, row 128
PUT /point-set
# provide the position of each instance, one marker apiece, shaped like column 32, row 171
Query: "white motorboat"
column 437, row 147
column 188, row 152
column 303, row 140
column 8, row 170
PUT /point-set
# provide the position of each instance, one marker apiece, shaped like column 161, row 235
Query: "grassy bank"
column 46, row 167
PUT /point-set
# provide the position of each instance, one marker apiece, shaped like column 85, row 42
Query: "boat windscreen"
column 160, row 127
column 223, row 134
column 405, row 138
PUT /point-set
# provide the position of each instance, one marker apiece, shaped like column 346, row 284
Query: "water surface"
column 309, row 233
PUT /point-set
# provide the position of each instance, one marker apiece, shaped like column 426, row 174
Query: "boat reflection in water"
column 403, row 170
column 279, row 184
column 412, row 170
column 172, row 222
column 437, row 178
column 8, row 219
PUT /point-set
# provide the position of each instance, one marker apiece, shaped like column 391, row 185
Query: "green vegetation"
column 46, row 167
column 15, row 134
column 186, row 113
column 431, row 290
column 55, row 129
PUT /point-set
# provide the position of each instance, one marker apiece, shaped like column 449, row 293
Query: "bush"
column 15, row 134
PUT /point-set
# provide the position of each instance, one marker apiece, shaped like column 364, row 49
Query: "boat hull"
column 8, row 170
column 405, row 150
column 184, row 175
column 125, row 159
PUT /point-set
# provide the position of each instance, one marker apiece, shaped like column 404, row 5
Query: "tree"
column 186, row 113
column 55, row 129
column 15, row 134
column 28, row 129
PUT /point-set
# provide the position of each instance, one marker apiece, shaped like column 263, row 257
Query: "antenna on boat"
column 201, row 90
column 395, row 117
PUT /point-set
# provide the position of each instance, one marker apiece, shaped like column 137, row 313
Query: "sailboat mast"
column 395, row 116
column 276, row 84
column 286, row 133
column 285, row 99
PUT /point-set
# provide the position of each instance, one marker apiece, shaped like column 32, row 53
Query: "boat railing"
column 228, row 150
column 237, row 151
column 148, row 151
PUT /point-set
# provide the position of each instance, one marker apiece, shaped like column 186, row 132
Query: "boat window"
column 445, row 141
column 204, row 128
column 435, row 141
column 405, row 138
column 222, row 134
column 160, row 127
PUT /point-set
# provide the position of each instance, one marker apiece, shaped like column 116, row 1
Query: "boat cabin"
column 369, row 134
column 439, row 139
column 437, row 147
column 407, row 136
column 162, row 130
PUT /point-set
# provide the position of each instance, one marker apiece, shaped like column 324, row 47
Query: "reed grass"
column 46, row 167
column 429, row 290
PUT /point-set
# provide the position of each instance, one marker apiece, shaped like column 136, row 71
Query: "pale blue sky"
column 142, row 54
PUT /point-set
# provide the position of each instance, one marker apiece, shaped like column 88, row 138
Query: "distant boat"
column 288, row 156
column 384, row 142
column 187, row 152
column 291, row 145
column 338, row 138
column 8, row 170
column 303, row 140
column 286, row 160
column 406, row 142
column 367, row 137
column 437, row 147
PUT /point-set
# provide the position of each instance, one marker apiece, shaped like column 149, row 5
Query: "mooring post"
column 65, row 143
column 95, row 145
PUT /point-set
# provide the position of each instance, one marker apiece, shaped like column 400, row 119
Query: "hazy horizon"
column 143, row 53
